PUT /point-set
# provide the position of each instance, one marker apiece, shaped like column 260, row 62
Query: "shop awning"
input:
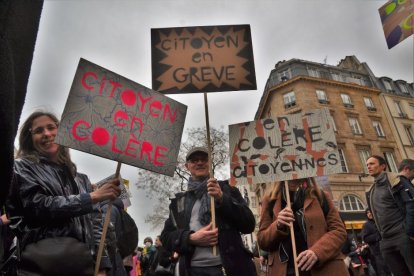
column 354, row 224
column 353, row 220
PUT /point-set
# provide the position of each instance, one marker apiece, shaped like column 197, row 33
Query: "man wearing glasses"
column 189, row 232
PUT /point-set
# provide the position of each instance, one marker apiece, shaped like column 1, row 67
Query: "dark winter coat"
column 46, row 201
column 401, row 191
column 371, row 236
column 114, row 231
column 233, row 217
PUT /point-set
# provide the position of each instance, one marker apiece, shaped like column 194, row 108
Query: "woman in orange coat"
column 319, row 231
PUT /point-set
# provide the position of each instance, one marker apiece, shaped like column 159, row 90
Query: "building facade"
column 370, row 116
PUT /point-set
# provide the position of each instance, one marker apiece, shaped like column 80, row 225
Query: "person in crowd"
column 7, row 248
column 189, row 230
column 359, row 259
column 147, row 257
column 136, row 259
column 4, row 222
column 114, row 231
column 346, row 250
column 162, row 264
column 128, row 263
column 260, row 260
column 319, row 231
column 372, row 237
column 392, row 207
column 52, row 207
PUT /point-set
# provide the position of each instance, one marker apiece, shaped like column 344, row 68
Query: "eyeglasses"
column 198, row 159
column 40, row 130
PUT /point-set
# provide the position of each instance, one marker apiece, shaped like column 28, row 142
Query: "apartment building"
column 371, row 115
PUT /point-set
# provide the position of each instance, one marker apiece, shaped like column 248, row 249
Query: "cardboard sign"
column 289, row 147
column 125, row 194
column 113, row 117
column 202, row 59
column 397, row 19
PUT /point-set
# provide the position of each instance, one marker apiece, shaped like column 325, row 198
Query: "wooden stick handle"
column 292, row 231
column 105, row 227
column 210, row 167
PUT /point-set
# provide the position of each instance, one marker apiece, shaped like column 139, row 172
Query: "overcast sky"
column 116, row 35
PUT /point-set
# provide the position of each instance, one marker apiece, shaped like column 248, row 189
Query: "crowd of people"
column 53, row 222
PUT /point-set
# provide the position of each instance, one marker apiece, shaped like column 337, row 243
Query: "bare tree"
column 161, row 188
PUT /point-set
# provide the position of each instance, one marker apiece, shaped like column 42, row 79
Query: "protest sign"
column 113, row 117
column 125, row 194
column 202, row 59
column 283, row 148
column 397, row 17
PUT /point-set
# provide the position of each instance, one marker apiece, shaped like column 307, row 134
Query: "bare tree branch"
column 161, row 188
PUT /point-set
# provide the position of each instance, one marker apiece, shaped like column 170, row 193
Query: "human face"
column 374, row 167
column 408, row 173
column 158, row 242
column 198, row 165
column 294, row 184
column 43, row 132
column 369, row 215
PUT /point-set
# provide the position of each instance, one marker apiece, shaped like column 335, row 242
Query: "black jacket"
column 113, row 233
column 233, row 217
column 46, row 201
column 371, row 236
column 402, row 192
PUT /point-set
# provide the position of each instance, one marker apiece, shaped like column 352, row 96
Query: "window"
column 344, row 166
column 355, row 79
column 369, row 104
column 400, row 110
column 284, row 75
column 363, row 156
column 391, row 165
column 336, row 76
column 333, row 124
column 403, row 88
column 387, row 85
column 355, row 126
column 378, row 128
column 289, row 99
column 351, row 203
column 321, row 95
column 410, row 135
column 313, row 72
column 346, row 100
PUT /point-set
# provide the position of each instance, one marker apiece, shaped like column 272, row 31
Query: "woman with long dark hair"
column 53, row 207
